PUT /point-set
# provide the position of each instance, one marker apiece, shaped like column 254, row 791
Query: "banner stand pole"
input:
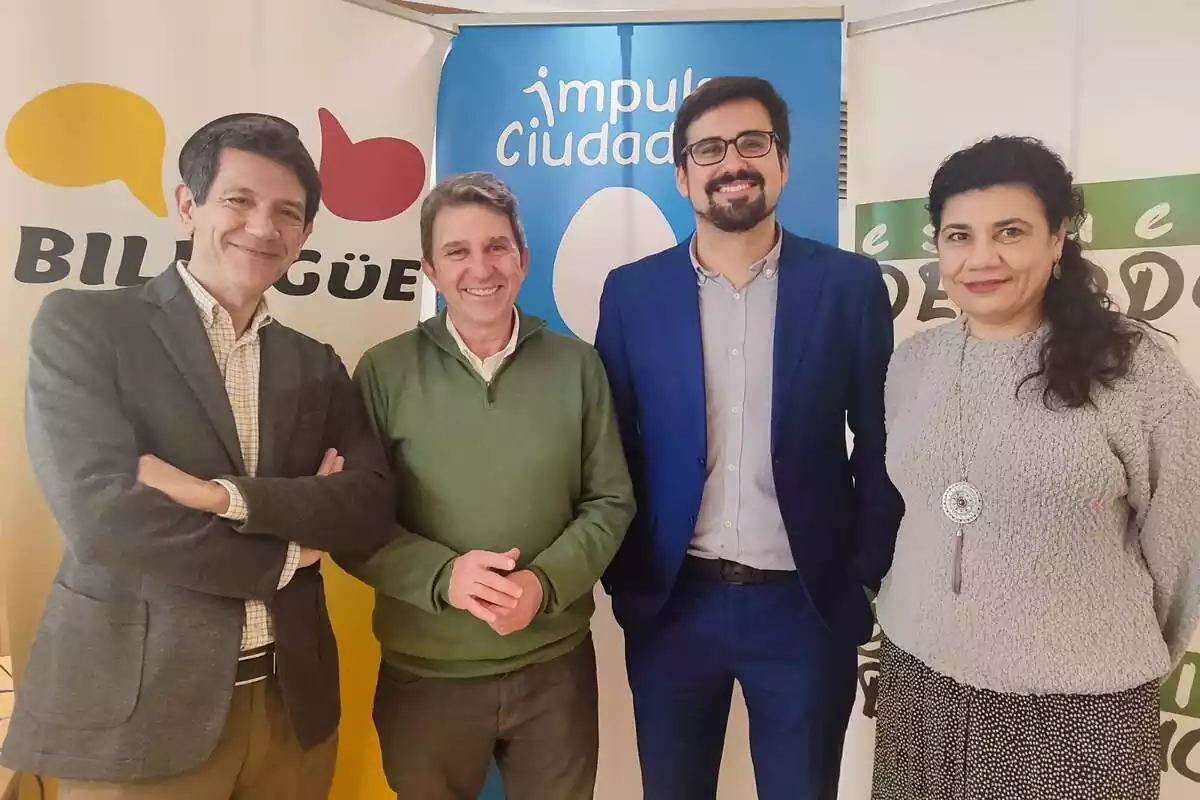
column 450, row 23
column 925, row 14
column 643, row 17
column 426, row 20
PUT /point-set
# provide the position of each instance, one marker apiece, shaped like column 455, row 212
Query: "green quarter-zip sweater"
column 531, row 460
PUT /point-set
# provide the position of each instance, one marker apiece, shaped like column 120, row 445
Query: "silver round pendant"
column 962, row 502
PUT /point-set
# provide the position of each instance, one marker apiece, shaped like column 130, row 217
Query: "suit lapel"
column 179, row 328
column 681, row 335
column 177, row 324
column 801, row 276
column 279, row 395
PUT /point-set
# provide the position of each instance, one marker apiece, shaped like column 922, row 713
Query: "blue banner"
column 577, row 120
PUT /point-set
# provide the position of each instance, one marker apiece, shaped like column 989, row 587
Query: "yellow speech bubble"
column 85, row 134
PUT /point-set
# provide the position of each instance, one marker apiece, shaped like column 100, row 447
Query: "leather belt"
column 255, row 665
column 735, row 574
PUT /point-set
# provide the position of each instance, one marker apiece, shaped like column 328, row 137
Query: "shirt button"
column 728, row 524
column 731, row 468
column 737, row 295
column 734, row 410
column 735, row 351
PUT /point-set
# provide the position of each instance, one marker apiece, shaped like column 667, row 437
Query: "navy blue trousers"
column 798, row 680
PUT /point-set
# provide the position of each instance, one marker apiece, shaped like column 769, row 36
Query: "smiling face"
column 740, row 191
column 250, row 227
column 477, row 266
column 996, row 253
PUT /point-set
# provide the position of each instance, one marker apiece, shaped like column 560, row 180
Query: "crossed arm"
column 85, row 454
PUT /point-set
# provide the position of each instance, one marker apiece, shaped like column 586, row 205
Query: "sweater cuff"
column 547, row 590
column 441, row 585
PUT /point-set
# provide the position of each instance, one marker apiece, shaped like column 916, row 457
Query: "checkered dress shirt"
column 239, row 360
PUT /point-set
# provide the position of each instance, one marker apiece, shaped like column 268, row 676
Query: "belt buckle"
column 735, row 574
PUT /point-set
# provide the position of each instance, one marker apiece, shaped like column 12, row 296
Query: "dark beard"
column 740, row 215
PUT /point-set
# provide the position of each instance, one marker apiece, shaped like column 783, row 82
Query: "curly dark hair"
column 1090, row 341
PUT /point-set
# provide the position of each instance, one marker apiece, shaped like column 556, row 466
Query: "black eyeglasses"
column 749, row 144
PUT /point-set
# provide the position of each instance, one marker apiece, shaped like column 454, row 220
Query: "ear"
column 784, row 162
column 430, row 273
column 185, row 205
column 1060, row 240
column 681, row 180
column 525, row 261
column 308, row 229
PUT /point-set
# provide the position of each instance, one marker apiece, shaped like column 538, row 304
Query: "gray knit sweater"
column 1082, row 574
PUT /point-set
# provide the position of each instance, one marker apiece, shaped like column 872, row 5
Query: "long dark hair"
column 1090, row 341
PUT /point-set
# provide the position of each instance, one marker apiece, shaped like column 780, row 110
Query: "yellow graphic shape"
column 85, row 134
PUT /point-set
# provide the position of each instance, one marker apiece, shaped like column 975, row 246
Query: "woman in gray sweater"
column 1047, row 572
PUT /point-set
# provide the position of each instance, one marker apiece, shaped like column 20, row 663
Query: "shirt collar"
column 466, row 351
column 768, row 265
column 209, row 307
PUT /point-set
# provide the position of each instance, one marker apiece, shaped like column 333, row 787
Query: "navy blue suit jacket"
column 833, row 341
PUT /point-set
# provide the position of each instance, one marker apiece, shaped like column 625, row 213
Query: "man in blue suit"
column 736, row 360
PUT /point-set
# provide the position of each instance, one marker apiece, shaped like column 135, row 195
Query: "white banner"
column 96, row 100
column 1113, row 90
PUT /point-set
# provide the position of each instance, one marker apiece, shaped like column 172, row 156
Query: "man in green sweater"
column 513, row 496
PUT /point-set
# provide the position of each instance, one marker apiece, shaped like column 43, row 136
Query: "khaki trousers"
column 438, row 735
column 257, row 758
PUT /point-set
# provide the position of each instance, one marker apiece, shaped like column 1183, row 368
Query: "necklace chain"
column 962, row 502
column 956, row 393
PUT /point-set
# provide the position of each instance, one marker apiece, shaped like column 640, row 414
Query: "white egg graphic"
column 614, row 226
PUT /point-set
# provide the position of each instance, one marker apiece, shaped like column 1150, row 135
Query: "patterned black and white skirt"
column 937, row 739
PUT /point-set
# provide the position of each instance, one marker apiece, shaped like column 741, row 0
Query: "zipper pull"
column 956, row 573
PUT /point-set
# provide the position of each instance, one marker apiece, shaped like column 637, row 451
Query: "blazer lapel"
column 680, row 334
column 177, row 324
column 800, row 280
column 279, row 396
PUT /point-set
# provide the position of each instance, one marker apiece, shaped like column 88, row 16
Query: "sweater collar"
column 435, row 328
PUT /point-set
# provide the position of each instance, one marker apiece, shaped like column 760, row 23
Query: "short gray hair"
column 481, row 188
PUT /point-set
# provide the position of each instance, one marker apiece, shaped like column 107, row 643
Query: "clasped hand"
column 506, row 602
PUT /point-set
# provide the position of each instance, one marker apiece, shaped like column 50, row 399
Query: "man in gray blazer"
column 199, row 457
